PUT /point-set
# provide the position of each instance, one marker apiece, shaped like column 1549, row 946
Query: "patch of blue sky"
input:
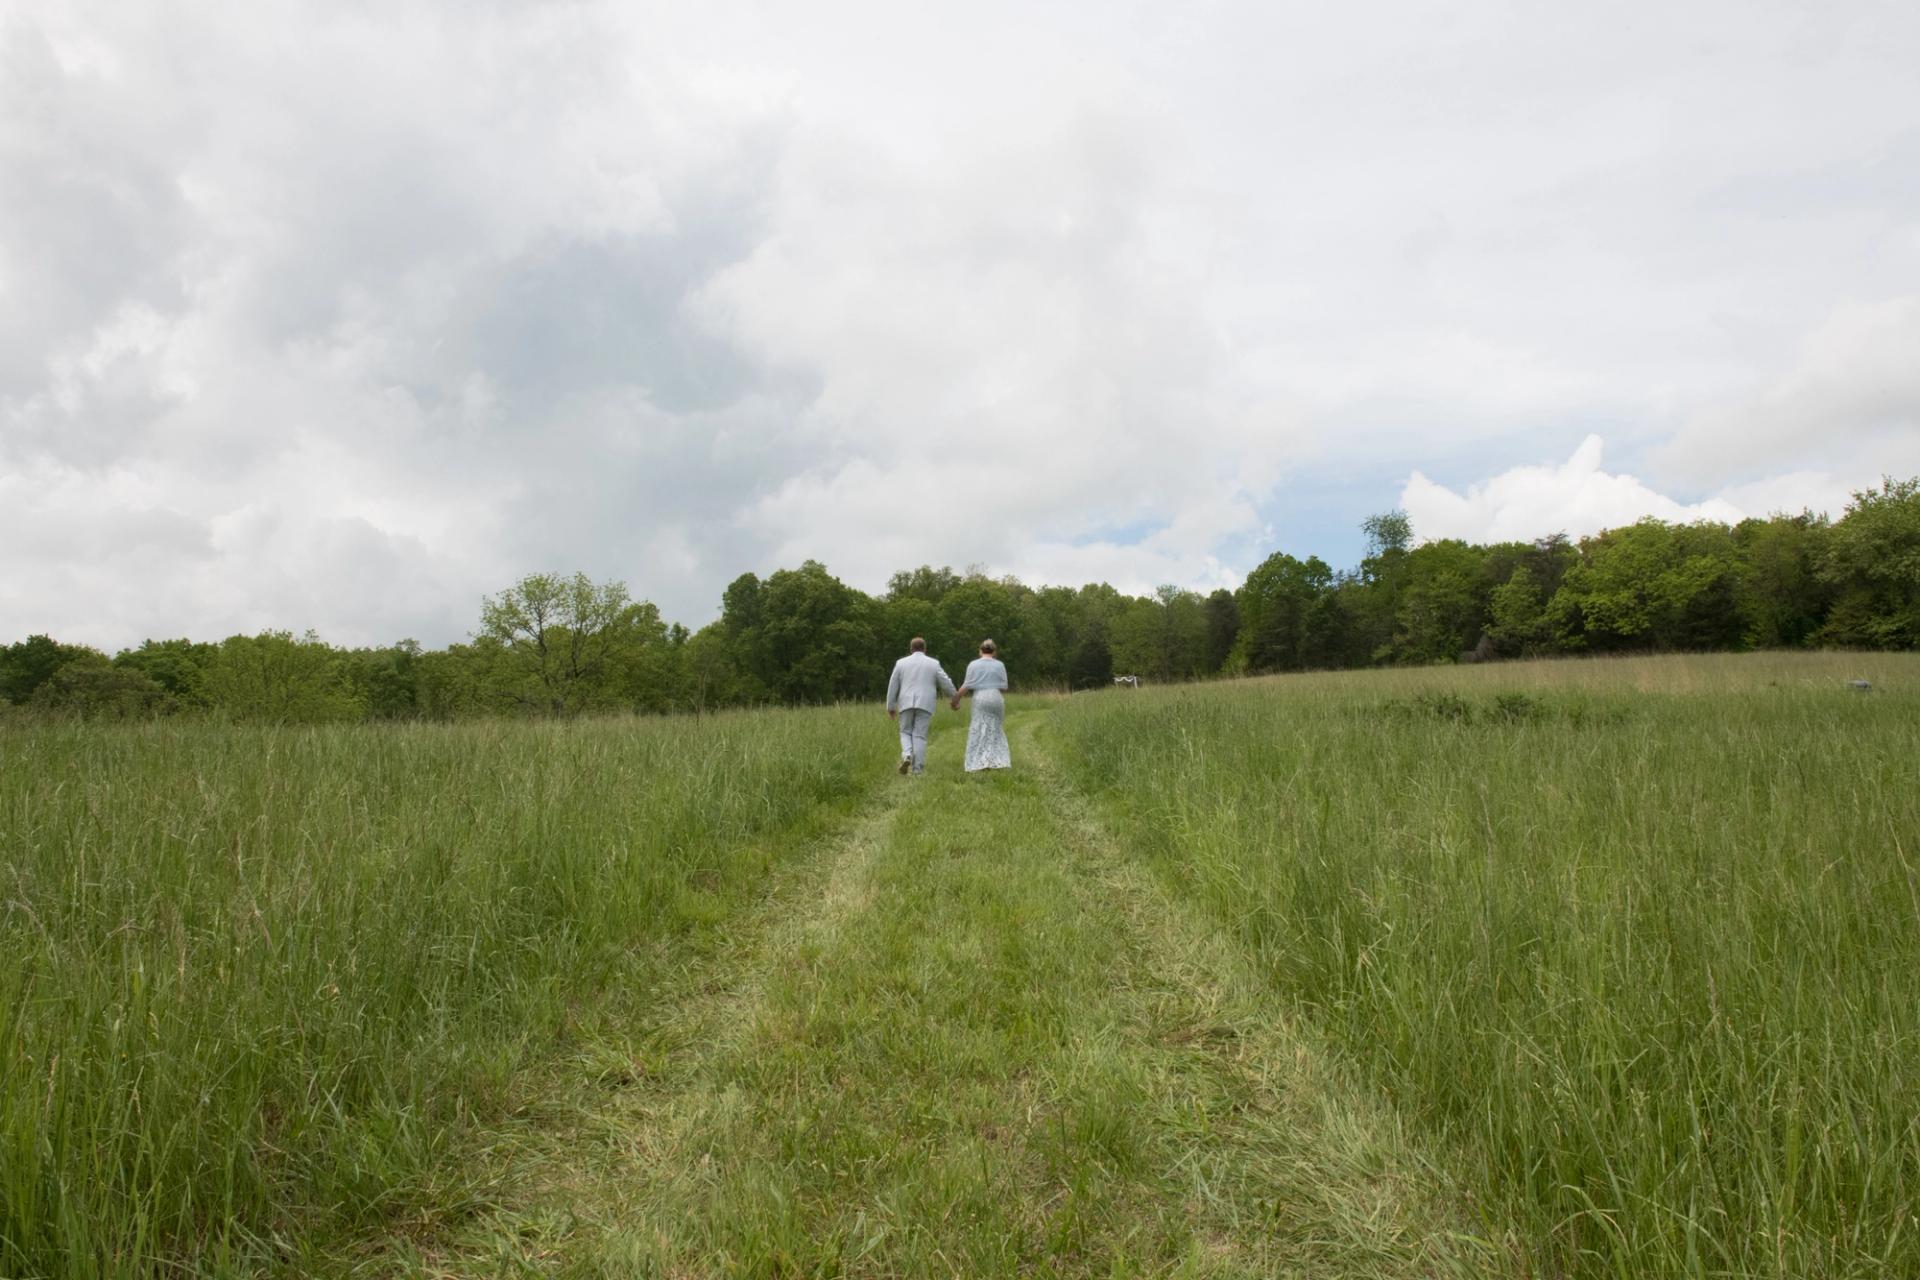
column 1318, row 509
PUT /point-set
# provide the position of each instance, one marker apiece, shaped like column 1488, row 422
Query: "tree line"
column 553, row 645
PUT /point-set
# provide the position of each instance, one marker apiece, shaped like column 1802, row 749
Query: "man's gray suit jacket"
column 917, row 683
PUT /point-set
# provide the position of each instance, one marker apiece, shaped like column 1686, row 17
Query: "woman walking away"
column 986, row 683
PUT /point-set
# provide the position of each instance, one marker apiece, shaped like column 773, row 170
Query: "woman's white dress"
column 987, row 726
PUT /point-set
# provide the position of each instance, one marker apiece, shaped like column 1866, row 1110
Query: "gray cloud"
column 341, row 316
column 91, row 218
column 1849, row 402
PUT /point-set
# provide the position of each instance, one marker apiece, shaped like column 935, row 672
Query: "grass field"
column 1634, row 943
column 1580, row 968
column 267, row 990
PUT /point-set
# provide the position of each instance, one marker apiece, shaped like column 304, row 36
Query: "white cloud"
column 340, row 316
column 1524, row 503
column 993, row 376
column 1579, row 497
column 1845, row 410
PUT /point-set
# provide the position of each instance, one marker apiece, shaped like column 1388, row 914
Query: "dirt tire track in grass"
column 971, row 1039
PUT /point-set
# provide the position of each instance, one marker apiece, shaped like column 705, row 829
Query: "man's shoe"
column 906, row 763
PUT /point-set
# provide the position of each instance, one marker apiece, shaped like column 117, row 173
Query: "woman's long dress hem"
column 987, row 732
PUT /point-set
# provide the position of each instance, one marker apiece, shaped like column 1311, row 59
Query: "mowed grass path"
column 967, row 1038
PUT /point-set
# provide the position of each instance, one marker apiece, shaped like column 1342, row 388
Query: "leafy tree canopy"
column 557, row 645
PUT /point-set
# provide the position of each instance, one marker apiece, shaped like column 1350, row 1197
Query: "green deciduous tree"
column 178, row 666
column 1372, row 597
column 29, row 663
column 1872, row 561
column 92, row 688
column 561, row 645
column 979, row 608
column 1652, row 585
column 1223, row 624
column 557, row 634
column 1277, row 605
column 279, row 678
column 1163, row 636
column 461, row 680
column 1049, row 629
column 815, row 640
column 711, row 677
column 1443, row 605
column 644, row 665
column 1133, row 640
column 386, row 681
column 1388, row 532
column 1786, row 597
column 1517, row 615
column 925, row 583
column 1092, row 664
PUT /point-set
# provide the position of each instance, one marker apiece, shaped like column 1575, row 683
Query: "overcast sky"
column 340, row 315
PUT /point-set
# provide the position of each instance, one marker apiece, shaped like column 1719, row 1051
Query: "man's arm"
column 946, row 682
column 893, row 690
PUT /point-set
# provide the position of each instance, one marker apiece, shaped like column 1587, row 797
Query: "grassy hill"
column 1587, row 968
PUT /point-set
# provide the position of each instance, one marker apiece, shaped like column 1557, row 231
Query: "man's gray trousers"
column 913, row 736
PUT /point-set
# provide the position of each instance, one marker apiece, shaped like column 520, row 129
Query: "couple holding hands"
column 917, row 682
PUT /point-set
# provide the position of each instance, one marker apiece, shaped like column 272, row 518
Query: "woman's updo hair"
column 986, row 646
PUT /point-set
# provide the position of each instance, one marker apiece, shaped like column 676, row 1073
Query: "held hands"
column 955, row 704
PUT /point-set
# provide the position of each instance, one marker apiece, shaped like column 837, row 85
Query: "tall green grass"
column 267, row 990
column 1636, row 942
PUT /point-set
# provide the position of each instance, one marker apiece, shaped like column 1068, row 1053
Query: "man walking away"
column 918, row 682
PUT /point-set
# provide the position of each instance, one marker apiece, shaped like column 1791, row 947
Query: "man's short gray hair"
column 918, row 645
